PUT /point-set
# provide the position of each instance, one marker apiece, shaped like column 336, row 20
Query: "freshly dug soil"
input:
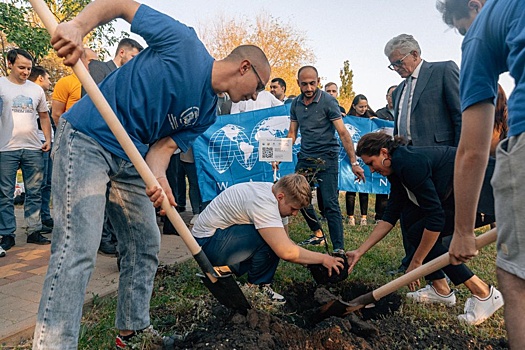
column 298, row 326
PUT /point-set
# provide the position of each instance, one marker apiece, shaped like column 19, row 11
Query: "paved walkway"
column 22, row 273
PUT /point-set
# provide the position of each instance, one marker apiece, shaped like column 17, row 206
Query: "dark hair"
column 393, row 86
column 329, row 84
column 370, row 144
column 129, row 44
column 500, row 115
column 12, row 54
column 369, row 112
column 280, row 81
column 453, row 10
column 36, row 72
column 306, row 67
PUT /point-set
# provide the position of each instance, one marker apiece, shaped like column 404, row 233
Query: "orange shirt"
column 67, row 90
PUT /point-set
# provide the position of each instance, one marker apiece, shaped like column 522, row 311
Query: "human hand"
column 462, row 248
column 67, row 41
column 352, row 257
column 155, row 194
column 359, row 173
column 333, row 263
column 275, row 165
column 46, row 146
column 414, row 285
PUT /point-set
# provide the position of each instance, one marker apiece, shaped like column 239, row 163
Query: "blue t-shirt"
column 494, row 44
column 316, row 124
column 164, row 91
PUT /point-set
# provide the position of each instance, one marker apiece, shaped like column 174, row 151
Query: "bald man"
column 165, row 98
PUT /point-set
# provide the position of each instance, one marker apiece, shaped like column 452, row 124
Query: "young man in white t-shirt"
column 243, row 229
column 22, row 102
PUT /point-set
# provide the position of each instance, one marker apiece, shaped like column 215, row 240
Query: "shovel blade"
column 228, row 293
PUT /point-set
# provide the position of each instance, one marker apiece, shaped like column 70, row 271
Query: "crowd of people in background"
column 426, row 160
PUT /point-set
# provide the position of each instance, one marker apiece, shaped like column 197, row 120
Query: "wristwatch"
column 355, row 163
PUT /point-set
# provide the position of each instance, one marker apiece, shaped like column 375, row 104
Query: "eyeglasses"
column 398, row 63
column 260, row 84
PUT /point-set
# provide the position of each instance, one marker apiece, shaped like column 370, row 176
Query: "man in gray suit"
column 427, row 110
column 430, row 115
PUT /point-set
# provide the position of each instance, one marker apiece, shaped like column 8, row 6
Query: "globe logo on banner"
column 355, row 134
column 231, row 143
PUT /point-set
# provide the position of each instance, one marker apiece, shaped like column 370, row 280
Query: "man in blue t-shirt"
column 494, row 43
column 317, row 114
column 165, row 98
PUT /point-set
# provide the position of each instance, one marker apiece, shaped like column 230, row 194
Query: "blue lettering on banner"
column 228, row 152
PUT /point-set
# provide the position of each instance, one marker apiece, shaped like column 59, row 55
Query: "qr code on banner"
column 267, row 152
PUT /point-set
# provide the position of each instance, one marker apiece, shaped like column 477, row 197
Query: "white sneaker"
column 428, row 295
column 194, row 219
column 351, row 221
column 363, row 222
column 2, row 252
column 276, row 297
column 478, row 310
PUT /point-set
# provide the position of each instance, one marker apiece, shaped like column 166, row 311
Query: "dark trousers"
column 415, row 225
column 381, row 202
column 350, row 203
column 327, row 177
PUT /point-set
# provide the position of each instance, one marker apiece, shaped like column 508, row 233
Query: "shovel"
column 340, row 308
column 218, row 280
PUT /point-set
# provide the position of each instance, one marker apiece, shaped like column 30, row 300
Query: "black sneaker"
column 273, row 295
column 313, row 240
column 37, row 238
column 7, row 242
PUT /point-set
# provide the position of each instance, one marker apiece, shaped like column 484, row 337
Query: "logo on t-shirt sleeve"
column 187, row 118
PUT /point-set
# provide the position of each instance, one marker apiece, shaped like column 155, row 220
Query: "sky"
column 340, row 30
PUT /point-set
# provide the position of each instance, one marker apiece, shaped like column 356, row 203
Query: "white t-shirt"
column 20, row 105
column 264, row 100
column 241, row 204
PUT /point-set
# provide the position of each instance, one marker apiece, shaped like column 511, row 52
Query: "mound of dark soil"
column 298, row 326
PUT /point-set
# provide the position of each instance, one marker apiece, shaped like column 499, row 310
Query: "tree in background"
column 21, row 27
column 286, row 47
column 346, row 91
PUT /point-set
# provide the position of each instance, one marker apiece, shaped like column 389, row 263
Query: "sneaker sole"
column 430, row 301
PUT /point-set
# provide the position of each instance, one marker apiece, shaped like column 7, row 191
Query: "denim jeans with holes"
column 82, row 170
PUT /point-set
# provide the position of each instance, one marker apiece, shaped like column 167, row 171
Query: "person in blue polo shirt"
column 318, row 116
column 165, row 98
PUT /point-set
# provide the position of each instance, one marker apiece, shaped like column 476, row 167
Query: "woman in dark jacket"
column 421, row 180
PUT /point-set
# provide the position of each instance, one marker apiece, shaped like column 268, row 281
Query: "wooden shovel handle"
column 429, row 267
column 118, row 130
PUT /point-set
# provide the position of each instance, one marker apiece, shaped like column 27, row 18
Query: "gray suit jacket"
column 435, row 118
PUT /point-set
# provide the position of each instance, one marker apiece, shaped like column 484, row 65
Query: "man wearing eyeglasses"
column 165, row 98
column 426, row 104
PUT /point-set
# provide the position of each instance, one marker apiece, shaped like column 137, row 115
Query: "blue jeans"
column 82, row 170
column 327, row 178
column 45, row 213
column 31, row 163
column 242, row 248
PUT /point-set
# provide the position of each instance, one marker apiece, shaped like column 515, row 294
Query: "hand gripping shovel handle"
column 124, row 140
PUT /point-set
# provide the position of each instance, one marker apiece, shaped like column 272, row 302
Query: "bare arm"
column 292, row 130
column 67, row 39
column 57, row 109
column 45, row 124
column 348, row 144
column 158, row 159
column 379, row 232
column 471, row 163
column 285, row 249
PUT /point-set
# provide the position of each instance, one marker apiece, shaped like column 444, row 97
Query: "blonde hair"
column 296, row 188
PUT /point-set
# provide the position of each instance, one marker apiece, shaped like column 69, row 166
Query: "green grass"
column 177, row 292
